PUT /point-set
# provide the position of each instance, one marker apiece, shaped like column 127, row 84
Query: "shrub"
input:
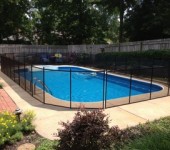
column 109, row 56
column 89, row 130
column 26, row 121
column 8, row 126
column 16, row 137
column 1, row 86
column 11, row 130
column 121, row 58
column 83, row 58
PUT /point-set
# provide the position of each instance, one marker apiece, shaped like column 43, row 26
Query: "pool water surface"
column 86, row 85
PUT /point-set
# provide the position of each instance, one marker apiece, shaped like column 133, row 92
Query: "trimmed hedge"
column 109, row 56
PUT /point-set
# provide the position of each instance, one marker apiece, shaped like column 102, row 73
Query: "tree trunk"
column 121, row 16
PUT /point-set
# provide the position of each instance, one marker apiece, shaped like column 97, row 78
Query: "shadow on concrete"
column 28, row 98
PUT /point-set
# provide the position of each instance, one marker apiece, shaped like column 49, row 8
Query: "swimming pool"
column 87, row 85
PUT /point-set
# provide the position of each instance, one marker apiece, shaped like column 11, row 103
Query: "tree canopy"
column 14, row 18
column 83, row 21
column 148, row 20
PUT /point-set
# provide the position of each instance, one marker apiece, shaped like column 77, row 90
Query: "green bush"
column 11, row 130
column 26, row 121
column 1, row 86
column 83, row 59
column 132, row 60
column 89, row 130
column 16, row 137
column 110, row 56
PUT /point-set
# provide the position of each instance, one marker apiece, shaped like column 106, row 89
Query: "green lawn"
column 156, row 136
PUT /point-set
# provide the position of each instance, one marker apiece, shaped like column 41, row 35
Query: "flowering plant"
column 11, row 130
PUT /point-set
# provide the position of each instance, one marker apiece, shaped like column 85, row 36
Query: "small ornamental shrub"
column 89, row 130
column 8, row 126
column 11, row 130
column 1, row 86
column 26, row 121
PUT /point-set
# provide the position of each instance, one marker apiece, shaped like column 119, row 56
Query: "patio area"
column 6, row 103
column 48, row 117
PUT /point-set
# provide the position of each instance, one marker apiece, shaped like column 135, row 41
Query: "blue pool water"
column 87, row 86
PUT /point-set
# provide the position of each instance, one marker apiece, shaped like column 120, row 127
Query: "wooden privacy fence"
column 159, row 44
column 32, row 48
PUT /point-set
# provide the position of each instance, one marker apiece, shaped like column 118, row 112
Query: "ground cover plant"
column 152, row 135
column 12, row 129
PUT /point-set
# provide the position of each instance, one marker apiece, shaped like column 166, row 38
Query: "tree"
column 14, row 18
column 117, row 6
column 148, row 20
column 57, row 22
column 71, row 22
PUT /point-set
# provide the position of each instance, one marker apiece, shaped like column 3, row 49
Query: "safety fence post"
column 106, row 89
column 43, row 86
column 70, row 87
column 130, row 86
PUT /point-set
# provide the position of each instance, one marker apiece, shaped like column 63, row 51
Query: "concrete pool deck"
column 48, row 116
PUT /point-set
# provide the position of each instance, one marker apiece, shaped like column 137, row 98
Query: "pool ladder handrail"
column 42, row 83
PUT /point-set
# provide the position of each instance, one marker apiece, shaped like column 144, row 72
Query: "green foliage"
column 83, row 59
column 155, row 141
column 78, row 22
column 110, row 56
column 16, row 137
column 1, row 86
column 118, row 6
column 152, row 135
column 148, row 19
column 70, row 22
column 26, row 121
column 89, row 130
column 11, row 130
column 46, row 144
column 14, row 20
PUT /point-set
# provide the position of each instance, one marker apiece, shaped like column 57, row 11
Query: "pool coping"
column 48, row 116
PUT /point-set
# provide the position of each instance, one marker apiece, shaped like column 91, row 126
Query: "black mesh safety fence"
column 57, row 84
column 37, row 78
column 160, row 77
column 117, row 88
column 87, row 88
column 116, row 82
column 141, row 84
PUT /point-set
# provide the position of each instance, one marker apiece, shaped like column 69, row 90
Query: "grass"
column 156, row 137
column 156, row 141
column 46, row 144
